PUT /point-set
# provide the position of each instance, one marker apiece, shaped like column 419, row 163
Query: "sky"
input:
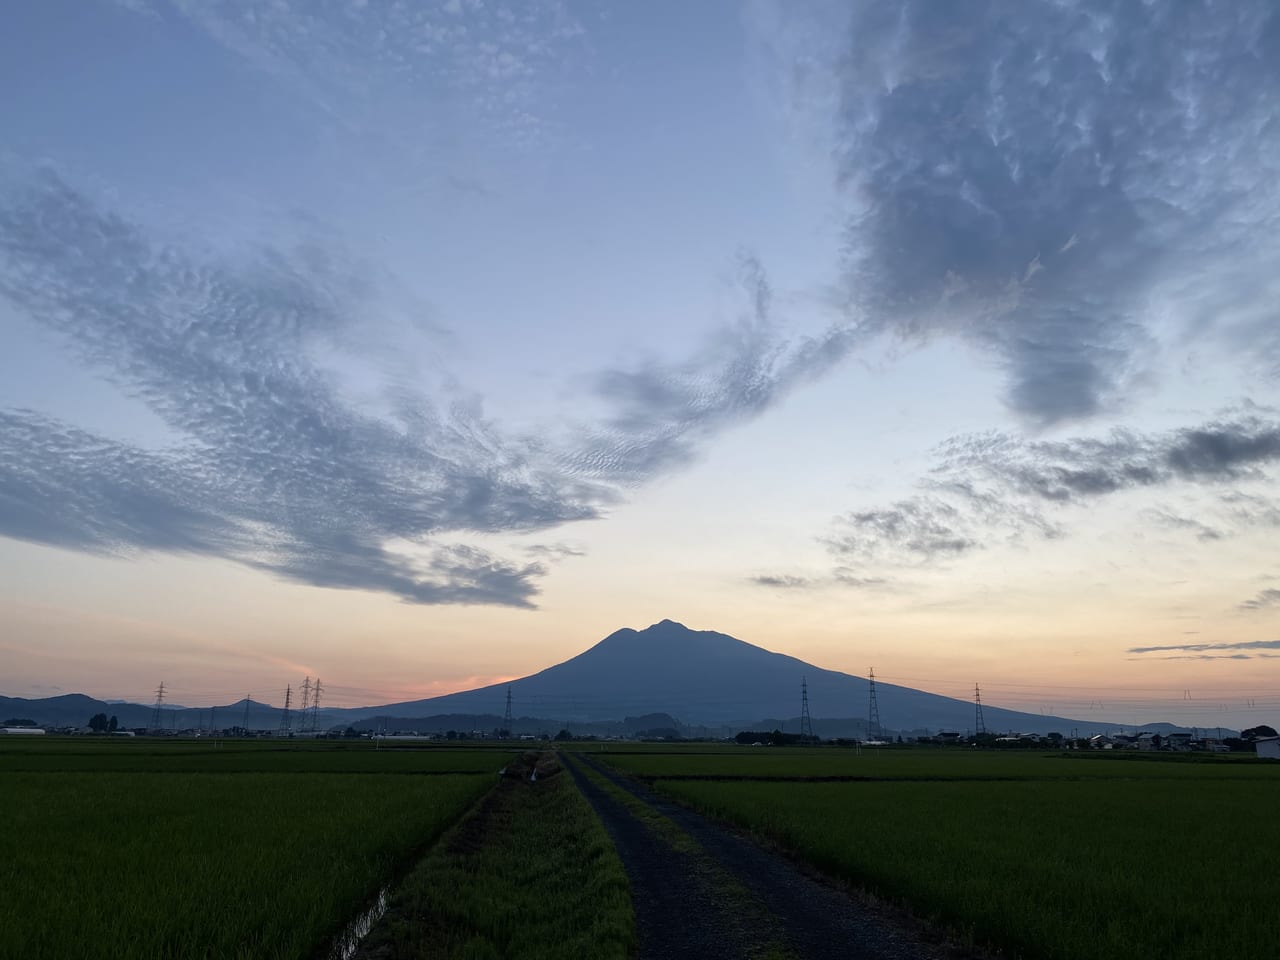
column 417, row 346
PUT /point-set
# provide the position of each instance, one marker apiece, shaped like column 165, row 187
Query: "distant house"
column 1145, row 741
column 1179, row 741
column 1268, row 747
column 1099, row 742
column 22, row 731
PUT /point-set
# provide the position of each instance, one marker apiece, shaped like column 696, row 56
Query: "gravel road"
column 706, row 892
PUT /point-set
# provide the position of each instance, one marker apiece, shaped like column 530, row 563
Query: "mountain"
column 717, row 681
column 708, row 682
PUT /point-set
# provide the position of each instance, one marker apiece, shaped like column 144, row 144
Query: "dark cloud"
column 270, row 465
column 1050, row 180
column 1072, row 471
column 1203, row 647
column 1267, row 598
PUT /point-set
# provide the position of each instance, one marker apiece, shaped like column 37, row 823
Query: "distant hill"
column 75, row 709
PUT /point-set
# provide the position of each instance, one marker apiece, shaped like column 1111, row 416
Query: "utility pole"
column 873, row 708
column 806, row 725
column 979, row 725
column 315, row 703
column 155, row 714
column 284, row 715
column 506, row 717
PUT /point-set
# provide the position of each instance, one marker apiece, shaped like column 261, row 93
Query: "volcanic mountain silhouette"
column 707, row 678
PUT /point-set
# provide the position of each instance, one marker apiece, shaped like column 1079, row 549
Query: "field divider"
column 527, row 871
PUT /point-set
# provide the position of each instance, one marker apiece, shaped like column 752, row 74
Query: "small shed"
column 1268, row 747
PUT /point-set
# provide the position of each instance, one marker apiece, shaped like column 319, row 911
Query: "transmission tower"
column 873, row 708
column 248, row 699
column 155, row 714
column 506, row 717
column 806, row 725
column 315, row 703
column 306, row 701
column 979, row 726
column 284, row 715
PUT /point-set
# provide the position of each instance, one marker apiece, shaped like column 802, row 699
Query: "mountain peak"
column 666, row 625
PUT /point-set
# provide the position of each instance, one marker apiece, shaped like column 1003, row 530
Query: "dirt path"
column 704, row 892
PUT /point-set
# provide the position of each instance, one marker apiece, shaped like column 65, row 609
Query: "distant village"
column 1261, row 740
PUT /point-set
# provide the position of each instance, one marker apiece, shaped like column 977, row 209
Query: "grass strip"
column 529, row 873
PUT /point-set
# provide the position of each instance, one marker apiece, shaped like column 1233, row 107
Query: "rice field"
column 119, row 849
column 103, row 755
column 951, row 763
column 1061, row 858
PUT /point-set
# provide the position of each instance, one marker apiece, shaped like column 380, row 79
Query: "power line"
column 506, row 717
column 248, row 699
column 979, row 724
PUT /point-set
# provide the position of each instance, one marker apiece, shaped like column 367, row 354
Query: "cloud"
column 951, row 519
column 489, row 61
column 270, row 465
column 659, row 413
column 783, row 581
column 917, row 528
column 1174, row 521
column 1251, row 510
column 999, row 487
column 1214, row 656
column 1231, row 448
column 1267, row 598
column 1059, row 184
column 1202, row 647
column 553, row 552
column 840, row 578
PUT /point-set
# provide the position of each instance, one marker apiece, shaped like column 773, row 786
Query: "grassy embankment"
column 1043, row 856
column 179, row 850
column 530, row 873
